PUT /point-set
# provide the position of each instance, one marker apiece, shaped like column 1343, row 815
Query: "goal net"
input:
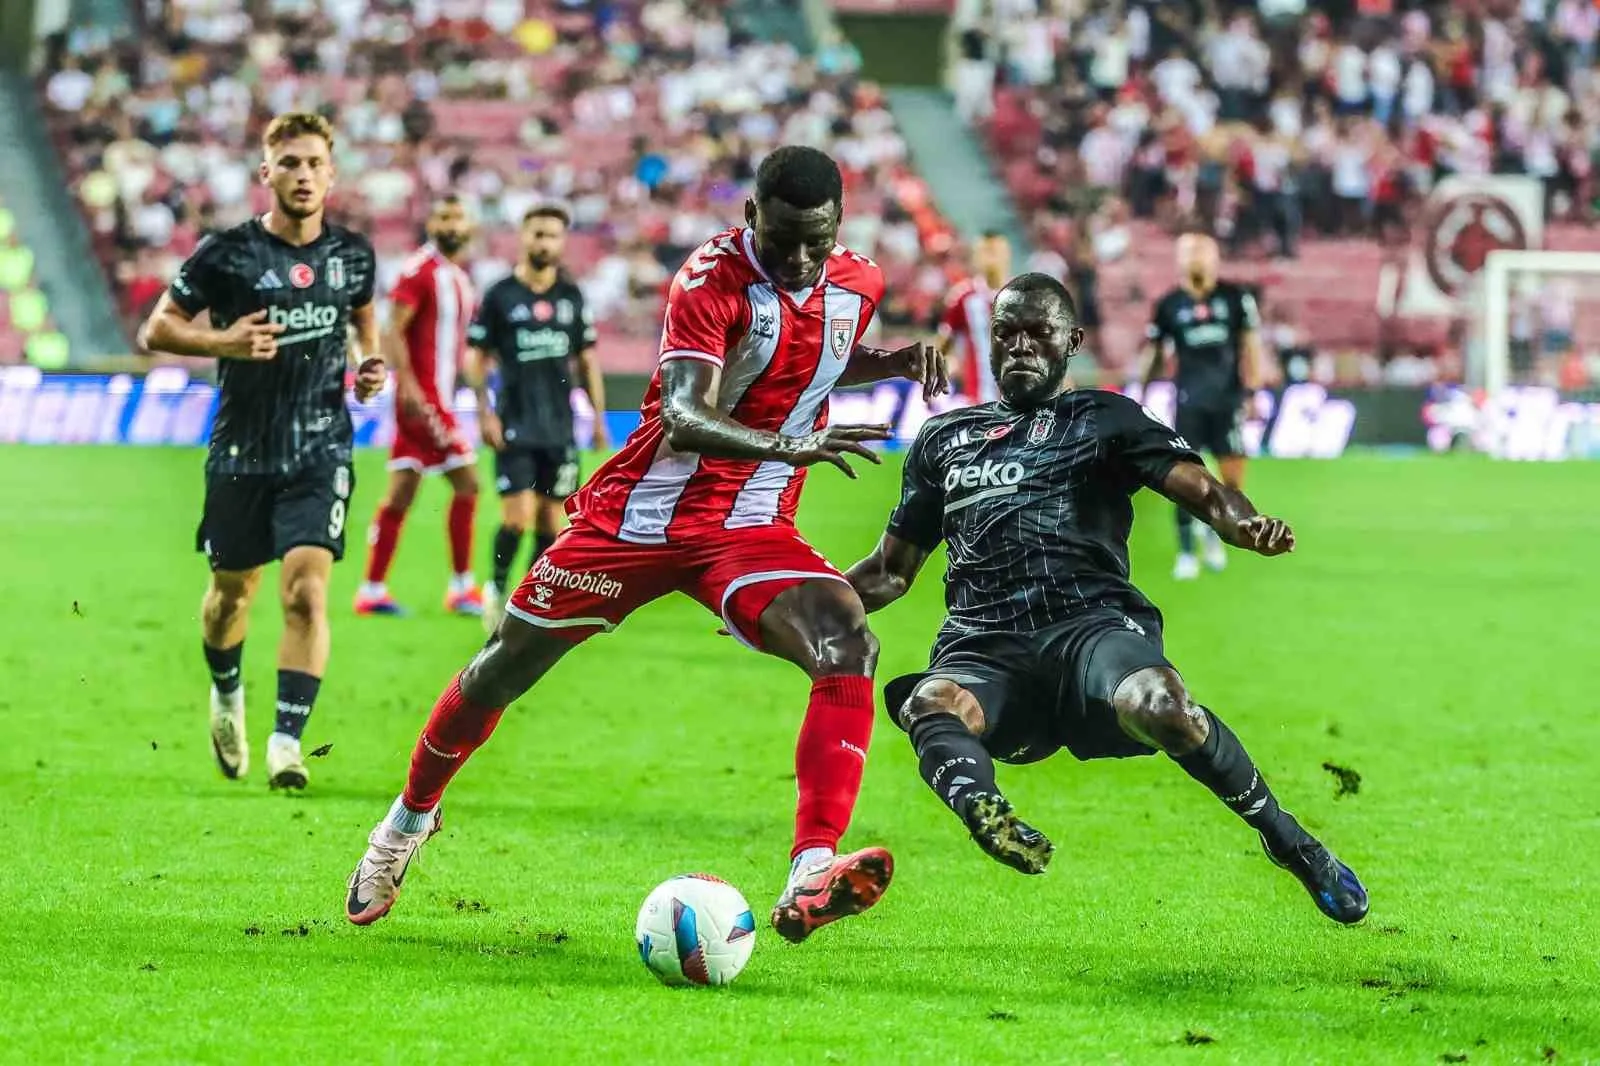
column 1532, row 355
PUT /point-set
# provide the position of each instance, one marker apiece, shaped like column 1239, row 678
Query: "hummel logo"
column 436, row 751
column 847, row 746
column 269, row 280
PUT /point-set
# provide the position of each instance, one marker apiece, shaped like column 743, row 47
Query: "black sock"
column 1222, row 765
column 297, row 694
column 224, row 666
column 506, row 543
column 953, row 761
column 1185, row 532
column 541, row 543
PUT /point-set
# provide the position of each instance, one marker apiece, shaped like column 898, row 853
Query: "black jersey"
column 1035, row 506
column 287, row 413
column 1207, row 333
column 534, row 336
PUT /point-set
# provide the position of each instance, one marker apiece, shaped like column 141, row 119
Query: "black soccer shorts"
column 1218, row 430
column 549, row 471
column 1051, row 689
column 251, row 519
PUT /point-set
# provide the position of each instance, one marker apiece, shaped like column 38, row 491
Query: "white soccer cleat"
column 1214, row 553
column 494, row 607
column 228, row 741
column 285, row 767
column 378, row 876
column 1187, row 568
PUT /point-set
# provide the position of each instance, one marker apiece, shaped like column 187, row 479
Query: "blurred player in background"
column 283, row 292
column 761, row 323
column 537, row 328
column 1047, row 643
column 964, row 324
column 1212, row 327
column 426, row 339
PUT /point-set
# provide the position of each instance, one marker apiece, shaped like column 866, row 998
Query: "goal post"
column 1534, row 310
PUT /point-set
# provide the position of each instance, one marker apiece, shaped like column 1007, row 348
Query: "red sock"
column 829, row 758
column 384, row 536
column 462, row 510
column 454, row 731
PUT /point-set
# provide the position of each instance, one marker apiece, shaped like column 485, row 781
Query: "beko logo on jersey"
column 306, row 322
column 988, row 474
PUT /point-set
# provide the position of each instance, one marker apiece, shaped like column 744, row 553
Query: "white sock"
column 374, row 590
column 403, row 819
column 462, row 582
column 279, row 739
column 807, row 858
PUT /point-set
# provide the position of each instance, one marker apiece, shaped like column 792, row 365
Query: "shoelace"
column 388, row 854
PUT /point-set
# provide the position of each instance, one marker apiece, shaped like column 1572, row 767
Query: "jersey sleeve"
column 201, row 280
column 699, row 320
column 367, row 284
column 1141, row 445
column 413, row 289
column 591, row 335
column 919, row 516
column 484, row 331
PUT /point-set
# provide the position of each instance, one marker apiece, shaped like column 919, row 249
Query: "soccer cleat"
column 494, row 608
column 1003, row 836
column 228, row 742
column 1214, row 552
column 382, row 604
column 467, row 602
column 376, row 882
column 1335, row 888
column 285, row 767
column 832, row 889
column 1187, row 568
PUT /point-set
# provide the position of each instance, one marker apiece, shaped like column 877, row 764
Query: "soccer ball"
column 695, row 929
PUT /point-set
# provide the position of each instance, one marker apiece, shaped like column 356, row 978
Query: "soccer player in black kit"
column 1212, row 326
column 1047, row 643
column 535, row 325
column 282, row 292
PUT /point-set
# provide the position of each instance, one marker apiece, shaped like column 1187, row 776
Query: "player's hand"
column 1265, row 535
column 408, row 397
column 250, row 337
column 490, row 429
column 831, row 445
column 370, row 378
column 924, row 364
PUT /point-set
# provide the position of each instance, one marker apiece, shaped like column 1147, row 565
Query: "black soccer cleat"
column 1005, row 837
column 1334, row 887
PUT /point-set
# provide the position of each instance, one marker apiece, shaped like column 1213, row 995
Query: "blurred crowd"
column 646, row 118
column 1263, row 121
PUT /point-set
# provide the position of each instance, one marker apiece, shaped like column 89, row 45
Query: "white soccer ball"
column 695, row 929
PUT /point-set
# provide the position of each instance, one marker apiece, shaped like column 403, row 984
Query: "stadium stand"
column 646, row 119
column 27, row 330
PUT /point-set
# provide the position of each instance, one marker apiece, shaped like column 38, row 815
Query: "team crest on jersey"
column 341, row 482
column 564, row 312
column 302, row 276
column 335, row 269
column 840, row 331
column 1044, row 424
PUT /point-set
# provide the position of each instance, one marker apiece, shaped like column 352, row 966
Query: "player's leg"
column 463, row 596
column 1191, row 426
column 514, row 475
column 1154, row 707
column 555, row 478
column 384, row 537
column 302, row 658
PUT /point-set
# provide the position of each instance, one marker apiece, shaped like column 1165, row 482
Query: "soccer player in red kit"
column 964, row 325
column 432, row 304
column 761, row 323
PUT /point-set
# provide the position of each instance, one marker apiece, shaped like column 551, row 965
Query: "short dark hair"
column 799, row 176
column 1045, row 283
column 554, row 211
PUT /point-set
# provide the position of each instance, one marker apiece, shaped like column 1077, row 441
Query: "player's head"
column 795, row 214
column 991, row 257
column 1199, row 259
column 297, row 162
column 449, row 225
column 544, row 235
column 1033, row 333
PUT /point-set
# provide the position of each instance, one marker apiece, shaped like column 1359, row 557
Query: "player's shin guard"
column 455, row 730
column 463, row 509
column 952, row 761
column 384, row 538
column 1222, row 765
column 829, row 759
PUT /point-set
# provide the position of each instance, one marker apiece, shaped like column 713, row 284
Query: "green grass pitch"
column 1435, row 633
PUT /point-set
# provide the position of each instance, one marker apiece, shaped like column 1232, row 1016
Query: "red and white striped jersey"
column 966, row 321
column 440, row 296
column 780, row 354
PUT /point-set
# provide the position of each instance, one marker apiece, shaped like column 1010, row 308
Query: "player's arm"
column 365, row 353
column 407, row 389
column 919, row 362
column 886, row 574
column 475, row 372
column 1252, row 355
column 1227, row 510
column 915, row 529
column 172, row 328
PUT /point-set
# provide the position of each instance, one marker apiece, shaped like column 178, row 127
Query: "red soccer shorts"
column 589, row 581
column 429, row 443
